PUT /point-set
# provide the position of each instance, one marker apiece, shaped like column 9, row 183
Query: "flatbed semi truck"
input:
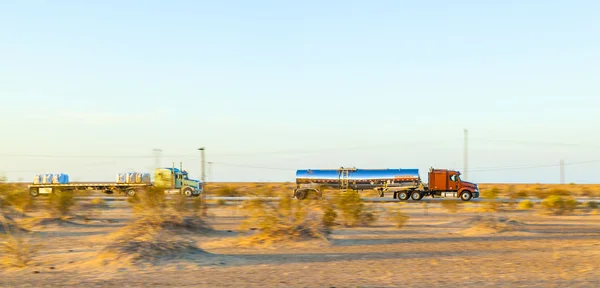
column 405, row 184
column 173, row 180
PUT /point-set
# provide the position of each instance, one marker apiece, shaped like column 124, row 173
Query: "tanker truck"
column 405, row 184
column 171, row 179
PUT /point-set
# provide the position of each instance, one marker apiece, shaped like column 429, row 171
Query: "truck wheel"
column 466, row 196
column 34, row 192
column 403, row 196
column 416, row 196
column 130, row 192
column 187, row 192
column 301, row 194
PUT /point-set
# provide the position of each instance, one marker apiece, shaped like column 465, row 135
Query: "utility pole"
column 466, row 155
column 562, row 171
column 202, row 164
column 157, row 154
column 203, row 177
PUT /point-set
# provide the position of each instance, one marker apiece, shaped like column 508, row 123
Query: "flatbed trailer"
column 172, row 180
column 107, row 187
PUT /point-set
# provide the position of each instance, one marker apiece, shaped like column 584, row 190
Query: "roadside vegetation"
column 298, row 220
column 158, row 228
column 558, row 205
column 285, row 220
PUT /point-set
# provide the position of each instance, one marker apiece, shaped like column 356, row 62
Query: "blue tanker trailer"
column 403, row 183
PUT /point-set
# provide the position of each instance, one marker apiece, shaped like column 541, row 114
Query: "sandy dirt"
column 434, row 249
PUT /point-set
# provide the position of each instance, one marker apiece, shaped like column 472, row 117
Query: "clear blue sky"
column 397, row 81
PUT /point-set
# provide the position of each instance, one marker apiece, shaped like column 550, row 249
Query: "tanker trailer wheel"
column 301, row 194
column 466, row 196
column 403, row 196
column 416, row 196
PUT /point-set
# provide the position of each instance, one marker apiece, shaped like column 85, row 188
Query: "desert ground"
column 464, row 245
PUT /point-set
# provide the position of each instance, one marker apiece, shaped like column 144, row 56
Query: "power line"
column 251, row 166
column 507, row 168
column 535, row 143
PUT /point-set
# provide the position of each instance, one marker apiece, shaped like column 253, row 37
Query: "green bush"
column 559, row 205
column 592, row 205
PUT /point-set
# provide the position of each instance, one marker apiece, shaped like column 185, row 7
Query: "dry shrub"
column 152, row 202
column 16, row 250
column 398, row 217
column 226, row 191
column 586, row 192
column 158, row 228
column 352, row 208
column 285, row 220
column 451, row 205
column 592, row 205
column 148, row 200
column 525, row 205
column 265, row 190
column 60, row 203
column 558, row 205
column 91, row 209
column 490, row 197
column 545, row 193
column 16, row 197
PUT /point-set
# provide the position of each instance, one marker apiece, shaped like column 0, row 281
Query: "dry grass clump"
column 285, row 220
column 558, row 205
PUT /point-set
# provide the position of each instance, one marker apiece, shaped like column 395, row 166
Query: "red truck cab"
column 447, row 183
